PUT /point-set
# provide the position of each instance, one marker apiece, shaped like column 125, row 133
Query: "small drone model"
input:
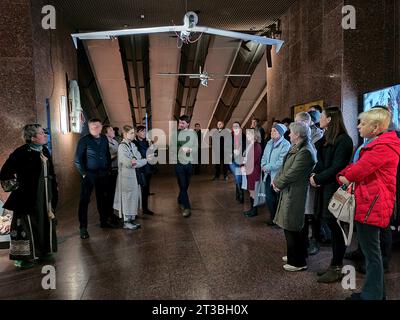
column 203, row 76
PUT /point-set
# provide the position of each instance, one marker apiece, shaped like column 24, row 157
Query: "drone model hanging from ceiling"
column 203, row 76
column 183, row 32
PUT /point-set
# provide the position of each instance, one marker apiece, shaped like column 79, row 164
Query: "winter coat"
column 374, row 175
column 127, row 193
column 331, row 160
column 25, row 164
column 292, row 180
column 273, row 156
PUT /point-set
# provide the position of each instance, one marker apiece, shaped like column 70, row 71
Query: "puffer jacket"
column 374, row 175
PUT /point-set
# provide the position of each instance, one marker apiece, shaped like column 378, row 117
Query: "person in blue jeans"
column 271, row 162
column 185, row 142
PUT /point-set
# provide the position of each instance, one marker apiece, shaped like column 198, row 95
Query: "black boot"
column 237, row 193
column 253, row 211
column 241, row 195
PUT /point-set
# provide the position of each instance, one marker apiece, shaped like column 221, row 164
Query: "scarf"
column 36, row 147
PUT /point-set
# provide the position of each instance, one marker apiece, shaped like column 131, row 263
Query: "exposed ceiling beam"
column 243, row 84
column 107, row 67
column 127, row 78
column 254, row 107
column 223, row 87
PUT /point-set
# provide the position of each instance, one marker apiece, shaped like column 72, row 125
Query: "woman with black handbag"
column 29, row 174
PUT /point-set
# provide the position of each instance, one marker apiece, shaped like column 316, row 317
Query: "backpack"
column 343, row 206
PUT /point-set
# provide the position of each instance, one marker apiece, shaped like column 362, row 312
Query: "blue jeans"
column 183, row 173
column 374, row 284
column 235, row 169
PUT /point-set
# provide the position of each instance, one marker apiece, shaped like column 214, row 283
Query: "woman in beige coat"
column 127, row 193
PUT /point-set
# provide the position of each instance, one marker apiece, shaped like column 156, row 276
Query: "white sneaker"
column 284, row 259
column 131, row 225
column 291, row 268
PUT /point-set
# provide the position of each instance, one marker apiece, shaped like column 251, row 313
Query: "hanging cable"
column 198, row 38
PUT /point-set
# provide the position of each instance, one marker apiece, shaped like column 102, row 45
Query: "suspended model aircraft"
column 184, row 32
column 203, row 76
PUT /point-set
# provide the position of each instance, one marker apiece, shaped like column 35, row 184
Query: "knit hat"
column 281, row 128
column 315, row 116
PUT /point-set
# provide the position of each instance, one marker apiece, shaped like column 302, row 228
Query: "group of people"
column 302, row 164
column 120, row 173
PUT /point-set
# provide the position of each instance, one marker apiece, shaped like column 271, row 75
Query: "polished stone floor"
column 217, row 253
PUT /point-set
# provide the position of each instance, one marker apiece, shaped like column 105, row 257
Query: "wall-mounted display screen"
column 388, row 97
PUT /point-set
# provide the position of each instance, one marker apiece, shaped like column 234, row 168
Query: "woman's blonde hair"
column 126, row 129
column 380, row 117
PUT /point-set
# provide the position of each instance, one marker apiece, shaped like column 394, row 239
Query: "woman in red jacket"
column 373, row 171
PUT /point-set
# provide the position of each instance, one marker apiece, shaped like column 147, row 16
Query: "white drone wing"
column 195, row 75
column 101, row 35
column 238, row 75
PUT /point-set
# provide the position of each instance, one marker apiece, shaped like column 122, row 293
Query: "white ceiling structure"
column 163, row 56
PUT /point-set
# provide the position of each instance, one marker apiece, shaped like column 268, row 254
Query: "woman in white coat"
column 127, row 193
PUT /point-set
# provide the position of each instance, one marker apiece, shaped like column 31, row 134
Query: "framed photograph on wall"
column 306, row 107
column 64, row 115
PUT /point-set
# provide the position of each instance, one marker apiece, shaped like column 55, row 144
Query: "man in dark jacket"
column 143, row 146
column 93, row 161
column 218, row 137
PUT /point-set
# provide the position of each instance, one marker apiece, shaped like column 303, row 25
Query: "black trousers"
column 112, row 183
column 338, row 245
column 374, row 283
column 100, row 182
column 296, row 248
column 385, row 236
column 183, row 173
column 146, row 193
column 217, row 171
column 271, row 198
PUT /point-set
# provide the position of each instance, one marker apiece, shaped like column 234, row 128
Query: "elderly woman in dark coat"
column 292, row 183
column 29, row 174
